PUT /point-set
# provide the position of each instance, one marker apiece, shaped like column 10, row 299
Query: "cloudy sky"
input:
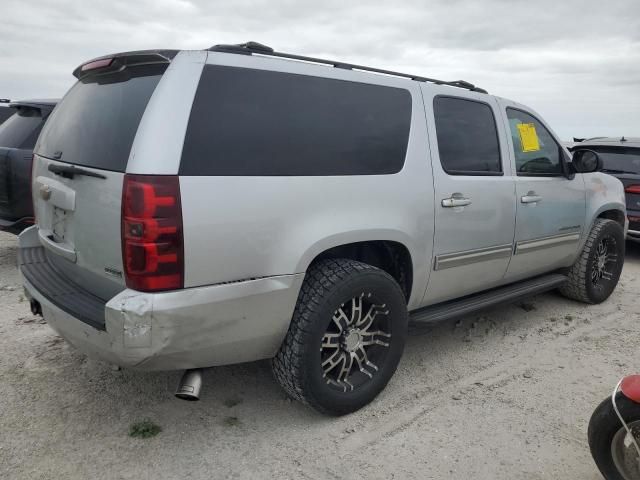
column 576, row 62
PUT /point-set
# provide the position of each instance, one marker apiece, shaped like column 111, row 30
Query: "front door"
column 550, row 211
column 474, row 194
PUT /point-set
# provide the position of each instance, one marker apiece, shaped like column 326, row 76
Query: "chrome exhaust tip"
column 190, row 385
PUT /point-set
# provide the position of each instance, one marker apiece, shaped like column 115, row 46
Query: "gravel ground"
column 501, row 395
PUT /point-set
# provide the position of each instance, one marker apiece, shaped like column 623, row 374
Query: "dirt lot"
column 505, row 394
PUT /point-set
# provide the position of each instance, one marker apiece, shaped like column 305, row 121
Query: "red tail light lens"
column 105, row 62
column 633, row 189
column 152, row 240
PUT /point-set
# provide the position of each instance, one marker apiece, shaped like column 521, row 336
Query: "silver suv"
column 201, row 208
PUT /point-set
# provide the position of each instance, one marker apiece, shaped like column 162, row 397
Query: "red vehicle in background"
column 614, row 432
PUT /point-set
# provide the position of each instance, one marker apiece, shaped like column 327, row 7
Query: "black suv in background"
column 5, row 110
column 621, row 158
column 18, row 135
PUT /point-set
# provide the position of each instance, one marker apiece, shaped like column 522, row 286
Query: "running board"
column 478, row 301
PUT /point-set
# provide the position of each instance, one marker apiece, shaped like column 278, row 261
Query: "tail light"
column 152, row 239
column 633, row 189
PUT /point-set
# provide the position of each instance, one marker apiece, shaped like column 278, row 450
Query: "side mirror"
column 586, row 161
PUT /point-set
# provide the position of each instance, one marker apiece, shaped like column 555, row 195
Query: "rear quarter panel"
column 237, row 228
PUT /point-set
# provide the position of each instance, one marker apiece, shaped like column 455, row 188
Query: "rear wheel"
column 346, row 337
column 611, row 446
column 597, row 270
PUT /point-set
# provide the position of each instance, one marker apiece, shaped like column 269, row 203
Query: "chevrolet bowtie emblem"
column 45, row 192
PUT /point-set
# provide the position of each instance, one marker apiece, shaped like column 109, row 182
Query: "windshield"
column 97, row 120
column 21, row 130
column 623, row 160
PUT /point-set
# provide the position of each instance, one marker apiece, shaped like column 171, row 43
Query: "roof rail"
column 251, row 48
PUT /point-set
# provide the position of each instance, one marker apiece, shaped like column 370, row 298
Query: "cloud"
column 576, row 62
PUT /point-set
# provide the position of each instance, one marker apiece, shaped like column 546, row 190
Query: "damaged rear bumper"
column 190, row 328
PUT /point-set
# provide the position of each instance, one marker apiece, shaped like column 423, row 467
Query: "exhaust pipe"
column 190, row 385
column 36, row 309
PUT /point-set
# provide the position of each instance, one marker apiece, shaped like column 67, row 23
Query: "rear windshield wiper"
column 70, row 171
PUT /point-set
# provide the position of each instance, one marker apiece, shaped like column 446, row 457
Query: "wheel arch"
column 391, row 255
column 613, row 214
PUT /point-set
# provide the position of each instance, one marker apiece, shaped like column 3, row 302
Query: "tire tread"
column 321, row 278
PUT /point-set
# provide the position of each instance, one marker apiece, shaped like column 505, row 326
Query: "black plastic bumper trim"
column 60, row 290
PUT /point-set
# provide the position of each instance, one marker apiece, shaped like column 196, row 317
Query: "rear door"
column 474, row 194
column 78, row 213
column 551, row 208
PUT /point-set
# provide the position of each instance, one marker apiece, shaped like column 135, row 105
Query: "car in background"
column 621, row 158
column 5, row 110
column 18, row 135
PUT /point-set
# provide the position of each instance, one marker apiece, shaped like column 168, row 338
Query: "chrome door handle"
column 531, row 197
column 456, row 200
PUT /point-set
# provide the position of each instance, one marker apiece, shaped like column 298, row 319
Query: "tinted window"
column 256, row 122
column 618, row 160
column 97, row 120
column 21, row 130
column 467, row 136
column 536, row 151
column 6, row 112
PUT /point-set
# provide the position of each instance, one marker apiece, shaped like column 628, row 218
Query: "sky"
column 577, row 63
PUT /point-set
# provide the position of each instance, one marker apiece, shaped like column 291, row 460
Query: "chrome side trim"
column 468, row 257
column 527, row 246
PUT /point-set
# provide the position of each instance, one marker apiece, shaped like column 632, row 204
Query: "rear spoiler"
column 119, row 61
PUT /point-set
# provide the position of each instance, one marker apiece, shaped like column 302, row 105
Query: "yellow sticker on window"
column 528, row 137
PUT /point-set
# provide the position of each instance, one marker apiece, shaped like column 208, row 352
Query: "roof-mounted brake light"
column 104, row 62
column 119, row 61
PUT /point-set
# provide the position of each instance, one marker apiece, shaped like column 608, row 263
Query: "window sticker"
column 528, row 137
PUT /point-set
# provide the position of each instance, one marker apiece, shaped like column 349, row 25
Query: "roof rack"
column 251, row 48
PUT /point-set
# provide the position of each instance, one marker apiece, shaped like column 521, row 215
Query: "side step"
column 478, row 301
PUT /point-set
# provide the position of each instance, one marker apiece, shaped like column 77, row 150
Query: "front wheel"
column 611, row 446
column 346, row 337
column 596, row 272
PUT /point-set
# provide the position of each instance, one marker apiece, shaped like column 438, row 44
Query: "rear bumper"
column 191, row 328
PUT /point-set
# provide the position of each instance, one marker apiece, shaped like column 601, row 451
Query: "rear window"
column 97, row 120
column 618, row 160
column 21, row 130
column 6, row 112
column 265, row 123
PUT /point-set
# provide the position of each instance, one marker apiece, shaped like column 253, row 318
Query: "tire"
column 603, row 428
column 334, row 293
column 581, row 284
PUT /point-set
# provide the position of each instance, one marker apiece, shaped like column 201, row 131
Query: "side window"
column 264, row 123
column 536, row 151
column 467, row 137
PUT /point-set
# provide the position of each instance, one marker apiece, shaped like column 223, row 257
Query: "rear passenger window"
column 536, row 151
column 467, row 137
column 264, row 123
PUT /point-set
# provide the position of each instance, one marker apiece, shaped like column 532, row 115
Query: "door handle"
column 456, row 200
column 531, row 197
